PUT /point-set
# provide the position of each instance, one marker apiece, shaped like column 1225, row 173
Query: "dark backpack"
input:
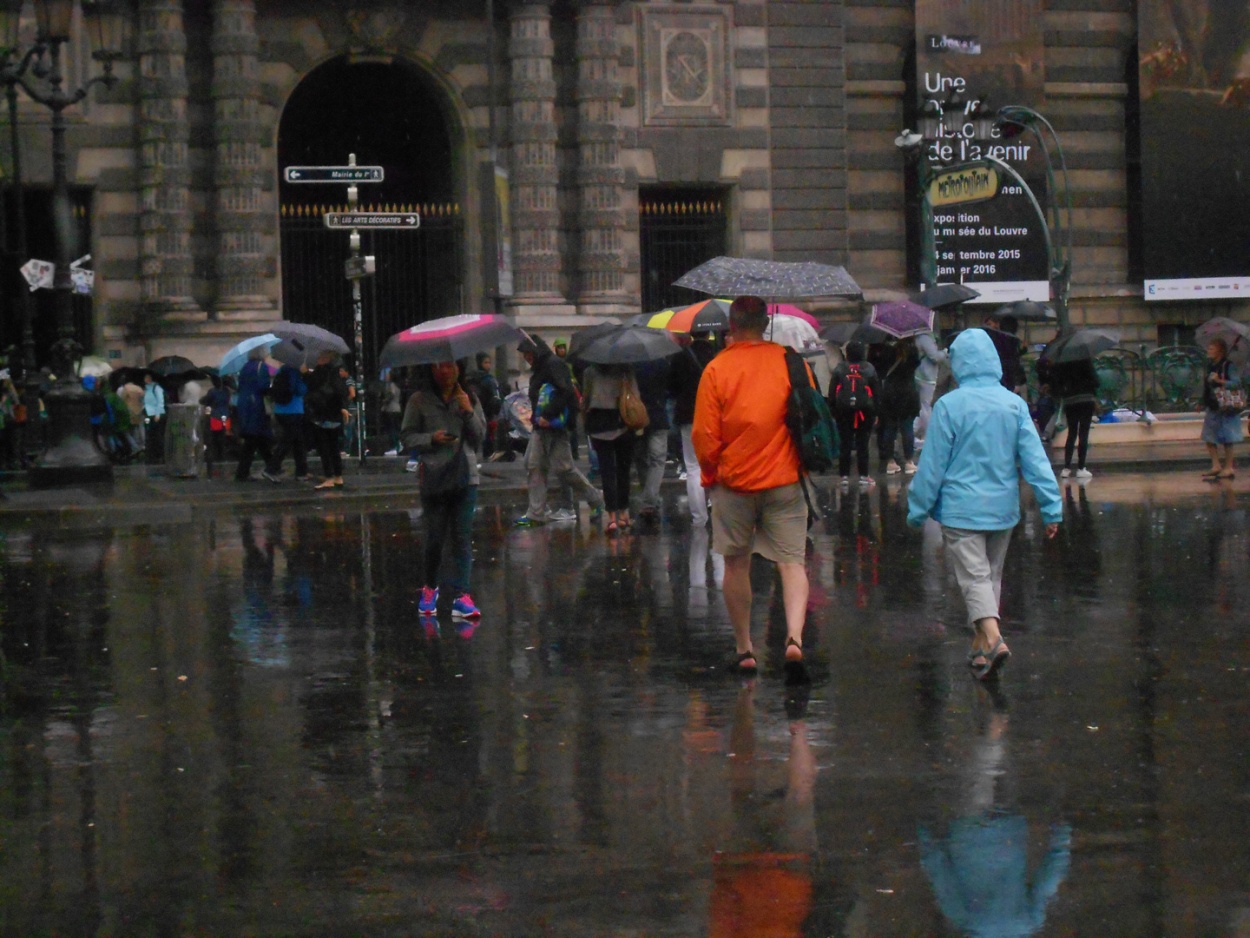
column 807, row 416
column 852, row 395
column 281, row 392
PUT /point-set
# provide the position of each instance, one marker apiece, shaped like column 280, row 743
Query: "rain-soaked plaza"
column 239, row 726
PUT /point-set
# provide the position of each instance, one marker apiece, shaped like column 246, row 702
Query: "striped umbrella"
column 704, row 316
column 447, row 339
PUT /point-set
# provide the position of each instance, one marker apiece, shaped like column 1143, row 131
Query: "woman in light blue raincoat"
column 980, row 440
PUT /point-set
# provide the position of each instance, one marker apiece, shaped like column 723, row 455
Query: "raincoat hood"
column 974, row 360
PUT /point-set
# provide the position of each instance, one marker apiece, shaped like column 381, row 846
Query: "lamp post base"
column 71, row 457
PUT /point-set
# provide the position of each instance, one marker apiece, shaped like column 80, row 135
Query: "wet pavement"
column 237, row 725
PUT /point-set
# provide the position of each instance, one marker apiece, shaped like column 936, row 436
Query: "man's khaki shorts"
column 771, row 523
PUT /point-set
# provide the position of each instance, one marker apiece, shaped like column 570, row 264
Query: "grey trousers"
column 549, row 461
column 651, row 457
column 977, row 559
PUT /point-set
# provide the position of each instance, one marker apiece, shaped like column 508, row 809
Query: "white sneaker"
column 391, row 452
column 413, row 465
column 866, row 482
column 1066, row 474
column 562, row 514
column 1084, row 474
column 892, row 468
column 910, row 468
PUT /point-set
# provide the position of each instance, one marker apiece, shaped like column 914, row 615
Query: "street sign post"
column 362, row 266
column 334, row 174
column 373, row 220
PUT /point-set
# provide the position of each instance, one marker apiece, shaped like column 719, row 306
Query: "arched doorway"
column 390, row 115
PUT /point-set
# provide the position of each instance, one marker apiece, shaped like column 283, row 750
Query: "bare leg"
column 1228, row 461
column 1214, row 452
column 737, row 592
column 794, row 588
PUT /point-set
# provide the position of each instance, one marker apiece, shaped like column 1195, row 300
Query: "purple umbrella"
column 902, row 318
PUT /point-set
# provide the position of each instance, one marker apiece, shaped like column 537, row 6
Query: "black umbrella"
column 780, row 280
column 1079, row 343
column 839, row 333
column 942, row 295
column 626, row 344
column 173, row 366
column 1026, row 311
column 584, row 336
column 302, row 342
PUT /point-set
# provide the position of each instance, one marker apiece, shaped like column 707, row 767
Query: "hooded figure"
column 547, row 368
column 980, row 439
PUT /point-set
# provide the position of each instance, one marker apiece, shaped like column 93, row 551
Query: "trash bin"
column 184, row 440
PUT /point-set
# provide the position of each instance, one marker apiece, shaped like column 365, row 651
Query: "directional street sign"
column 338, row 174
column 340, row 220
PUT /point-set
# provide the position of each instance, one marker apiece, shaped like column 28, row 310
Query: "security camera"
column 908, row 140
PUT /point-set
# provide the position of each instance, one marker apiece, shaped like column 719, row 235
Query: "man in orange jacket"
column 751, row 468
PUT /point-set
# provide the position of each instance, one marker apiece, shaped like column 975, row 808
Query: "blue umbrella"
column 235, row 359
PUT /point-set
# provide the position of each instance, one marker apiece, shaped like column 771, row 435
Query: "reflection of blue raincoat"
column 980, row 875
column 980, row 439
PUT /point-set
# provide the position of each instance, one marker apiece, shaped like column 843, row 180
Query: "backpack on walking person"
column 852, row 395
column 807, row 416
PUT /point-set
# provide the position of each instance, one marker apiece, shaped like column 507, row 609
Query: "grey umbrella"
column 1079, row 343
column 942, row 295
column 1236, row 336
column 587, row 334
column 1026, row 311
column 778, row 280
column 626, row 344
column 302, row 342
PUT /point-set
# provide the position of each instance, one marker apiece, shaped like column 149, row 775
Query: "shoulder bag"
column 633, row 410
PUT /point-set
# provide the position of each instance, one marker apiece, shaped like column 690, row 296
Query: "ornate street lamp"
column 71, row 456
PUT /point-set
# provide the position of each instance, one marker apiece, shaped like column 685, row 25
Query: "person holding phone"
column 446, row 425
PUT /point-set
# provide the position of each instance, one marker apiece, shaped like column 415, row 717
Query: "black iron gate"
column 419, row 273
column 679, row 229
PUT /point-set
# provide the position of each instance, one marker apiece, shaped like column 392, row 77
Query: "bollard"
column 184, row 440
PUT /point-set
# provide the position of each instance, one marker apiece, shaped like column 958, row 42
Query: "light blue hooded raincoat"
column 980, row 440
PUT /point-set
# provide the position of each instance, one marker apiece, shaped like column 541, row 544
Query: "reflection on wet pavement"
column 241, row 727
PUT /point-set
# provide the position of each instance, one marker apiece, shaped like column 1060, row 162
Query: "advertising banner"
column 973, row 57
column 1194, row 79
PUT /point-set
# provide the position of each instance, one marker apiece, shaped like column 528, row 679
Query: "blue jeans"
column 450, row 519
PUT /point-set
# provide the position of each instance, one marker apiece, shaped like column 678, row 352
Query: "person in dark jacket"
column 654, row 387
column 687, row 370
column 255, row 431
column 548, row 453
column 900, row 406
column 289, row 417
column 1076, row 383
column 854, row 423
column 325, row 406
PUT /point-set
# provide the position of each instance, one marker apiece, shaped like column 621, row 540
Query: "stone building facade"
column 786, row 110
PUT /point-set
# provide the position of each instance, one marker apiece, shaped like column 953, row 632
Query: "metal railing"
column 1162, row 380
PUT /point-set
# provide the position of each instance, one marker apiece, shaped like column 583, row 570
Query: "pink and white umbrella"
column 789, row 309
column 447, row 339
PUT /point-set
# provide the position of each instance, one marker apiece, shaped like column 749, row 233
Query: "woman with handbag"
column 604, row 388
column 1225, row 400
column 445, row 424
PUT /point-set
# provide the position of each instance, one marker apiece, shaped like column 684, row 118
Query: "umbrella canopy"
column 93, row 366
column 901, row 319
column 587, row 334
column 653, row 320
column 736, row 276
column 626, row 344
column 447, row 339
column 942, row 295
column 839, row 333
column 170, row 366
column 787, row 309
column 1079, row 343
column 235, row 359
column 1026, row 311
column 797, row 334
column 704, row 316
column 1236, row 336
column 303, row 342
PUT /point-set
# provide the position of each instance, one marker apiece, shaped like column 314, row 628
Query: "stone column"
column 600, row 176
column 238, row 173
column 535, row 177
column 165, row 263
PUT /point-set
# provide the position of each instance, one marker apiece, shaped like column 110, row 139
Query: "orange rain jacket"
column 740, row 434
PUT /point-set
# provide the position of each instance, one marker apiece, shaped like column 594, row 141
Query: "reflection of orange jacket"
column 740, row 433
column 760, row 895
